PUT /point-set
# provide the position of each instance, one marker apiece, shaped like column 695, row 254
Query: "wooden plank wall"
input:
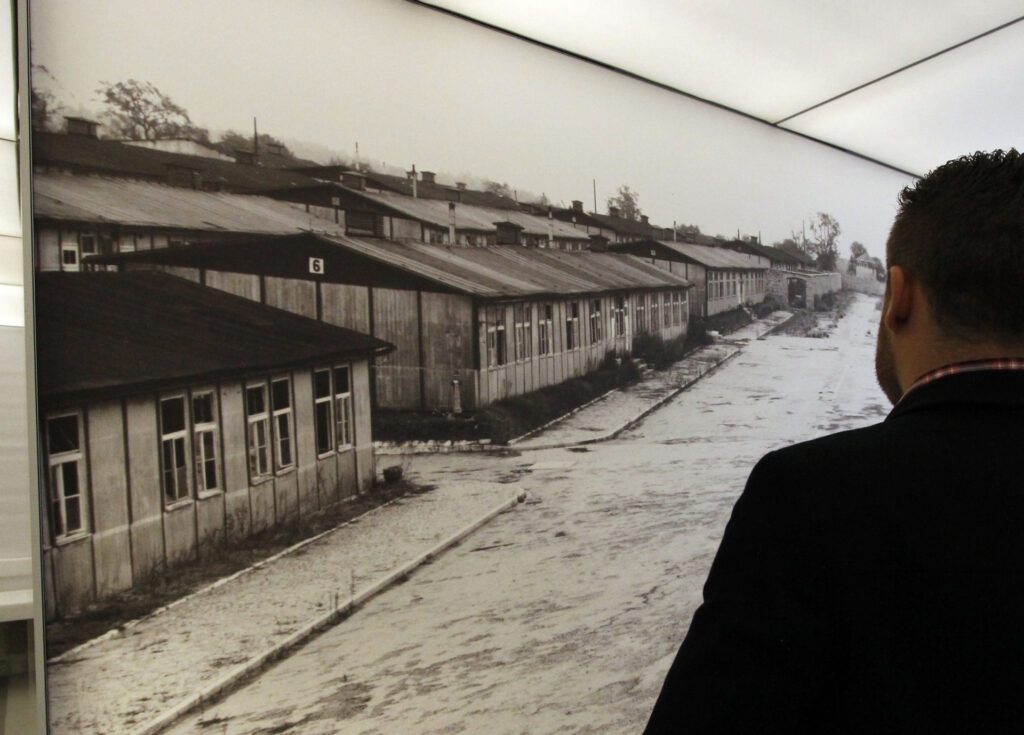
column 132, row 534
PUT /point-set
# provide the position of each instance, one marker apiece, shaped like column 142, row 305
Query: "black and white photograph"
column 399, row 364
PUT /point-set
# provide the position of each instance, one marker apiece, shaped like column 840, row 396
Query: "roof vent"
column 353, row 180
column 82, row 126
column 427, row 177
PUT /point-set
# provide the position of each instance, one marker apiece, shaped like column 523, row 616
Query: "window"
column 677, row 309
column 496, row 336
column 620, row 316
column 204, row 440
column 655, row 311
column 281, row 406
column 173, row 435
column 342, row 407
column 595, row 322
column 523, row 331
column 641, row 313
column 544, row 329
column 69, row 256
column 666, row 310
column 323, row 412
column 257, row 421
column 572, row 326
column 65, row 458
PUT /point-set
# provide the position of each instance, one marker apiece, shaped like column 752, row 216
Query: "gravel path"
column 604, row 417
column 122, row 682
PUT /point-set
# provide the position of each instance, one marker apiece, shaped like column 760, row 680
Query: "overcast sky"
column 414, row 86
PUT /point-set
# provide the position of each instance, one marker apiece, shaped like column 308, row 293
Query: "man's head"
column 956, row 269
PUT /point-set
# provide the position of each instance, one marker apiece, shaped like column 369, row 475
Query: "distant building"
column 723, row 279
column 80, row 151
column 77, row 216
column 175, row 418
column 611, row 226
column 499, row 320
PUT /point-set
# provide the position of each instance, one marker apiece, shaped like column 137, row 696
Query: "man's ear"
column 901, row 298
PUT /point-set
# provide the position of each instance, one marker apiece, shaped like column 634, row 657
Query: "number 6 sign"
column 316, row 266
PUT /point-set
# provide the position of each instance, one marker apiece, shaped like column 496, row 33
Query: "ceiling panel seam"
column 663, row 85
column 901, row 69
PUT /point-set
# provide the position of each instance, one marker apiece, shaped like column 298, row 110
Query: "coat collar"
column 980, row 388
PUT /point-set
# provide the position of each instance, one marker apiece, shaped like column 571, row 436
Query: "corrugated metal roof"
column 109, row 333
column 471, row 217
column 427, row 190
column 507, row 271
column 80, row 152
column 712, row 257
column 496, row 272
column 146, row 204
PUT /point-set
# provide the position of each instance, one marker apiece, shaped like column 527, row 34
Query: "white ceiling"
column 775, row 60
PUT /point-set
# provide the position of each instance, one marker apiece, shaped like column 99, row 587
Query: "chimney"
column 427, row 176
column 613, row 211
column 675, row 233
column 644, row 219
column 577, row 205
column 412, row 175
column 451, row 223
column 81, row 126
column 460, row 185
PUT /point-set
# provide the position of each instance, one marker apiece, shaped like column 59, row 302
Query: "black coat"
column 870, row 581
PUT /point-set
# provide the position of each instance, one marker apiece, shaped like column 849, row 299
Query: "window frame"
column 56, row 499
column 497, row 341
column 327, row 399
column 288, row 414
column 572, row 327
column 596, row 336
column 199, row 429
column 619, row 311
column 178, row 437
column 522, row 331
column 343, row 400
column 545, row 318
column 258, row 474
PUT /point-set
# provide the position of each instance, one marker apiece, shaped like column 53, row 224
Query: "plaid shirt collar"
column 970, row 366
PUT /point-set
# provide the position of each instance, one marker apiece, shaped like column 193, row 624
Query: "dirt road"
column 563, row 615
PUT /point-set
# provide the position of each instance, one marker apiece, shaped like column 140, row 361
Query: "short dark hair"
column 960, row 232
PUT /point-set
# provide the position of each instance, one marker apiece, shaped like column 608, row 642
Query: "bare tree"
column 232, row 141
column 139, row 111
column 627, row 202
column 45, row 108
column 822, row 244
column 500, row 188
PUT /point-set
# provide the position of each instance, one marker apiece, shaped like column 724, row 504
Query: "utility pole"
column 255, row 139
column 595, row 195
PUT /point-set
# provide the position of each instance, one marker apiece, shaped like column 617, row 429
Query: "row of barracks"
column 487, row 322
column 213, row 333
